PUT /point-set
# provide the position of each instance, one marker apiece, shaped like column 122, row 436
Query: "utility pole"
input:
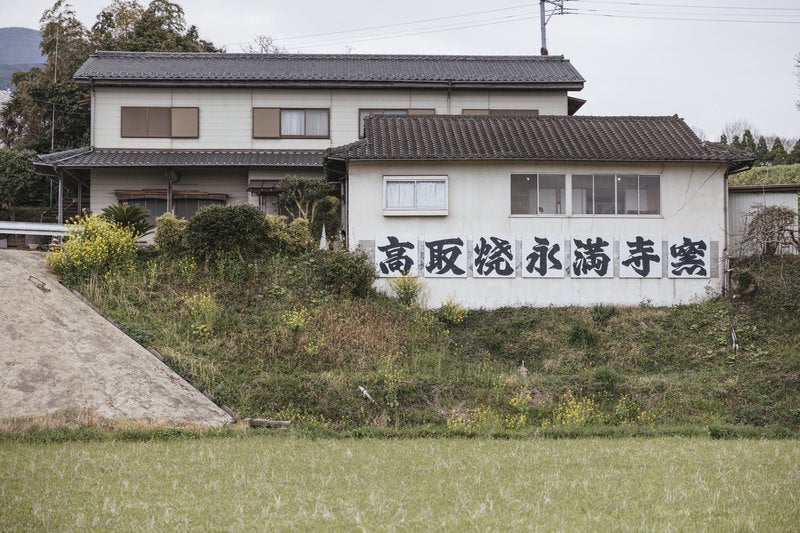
column 558, row 9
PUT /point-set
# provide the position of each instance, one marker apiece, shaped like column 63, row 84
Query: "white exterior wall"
column 226, row 114
column 692, row 203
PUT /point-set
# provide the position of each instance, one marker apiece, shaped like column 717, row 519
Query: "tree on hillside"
column 162, row 28
column 44, row 111
column 18, row 184
column 778, row 153
column 748, row 142
column 48, row 110
column 115, row 24
column 762, row 151
column 736, row 129
column 794, row 155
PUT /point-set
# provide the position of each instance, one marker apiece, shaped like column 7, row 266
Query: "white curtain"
column 399, row 194
column 292, row 122
column 431, row 195
column 317, row 122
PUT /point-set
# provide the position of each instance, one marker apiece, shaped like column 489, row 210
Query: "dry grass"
column 82, row 419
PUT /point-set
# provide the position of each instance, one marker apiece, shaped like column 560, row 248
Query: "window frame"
column 538, row 175
column 149, row 125
column 415, row 210
column 272, row 130
column 617, row 180
column 305, row 111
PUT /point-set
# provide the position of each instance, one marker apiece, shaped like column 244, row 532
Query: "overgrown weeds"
column 304, row 333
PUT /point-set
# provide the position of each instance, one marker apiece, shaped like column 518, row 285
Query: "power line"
column 579, row 11
column 410, row 33
column 693, row 6
column 406, row 23
column 405, row 33
column 683, row 19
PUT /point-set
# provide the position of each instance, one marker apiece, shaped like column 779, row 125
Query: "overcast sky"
column 711, row 62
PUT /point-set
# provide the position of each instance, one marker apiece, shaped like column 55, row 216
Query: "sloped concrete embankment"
column 57, row 354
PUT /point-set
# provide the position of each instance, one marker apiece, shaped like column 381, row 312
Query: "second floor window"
column 163, row 122
column 275, row 123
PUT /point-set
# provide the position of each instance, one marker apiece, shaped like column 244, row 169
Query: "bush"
column 581, row 335
column 216, row 228
column 299, row 236
column 280, row 236
column 407, row 289
column 451, row 312
column 601, row 314
column 130, row 216
column 169, row 233
column 771, row 231
column 93, row 246
column 345, row 273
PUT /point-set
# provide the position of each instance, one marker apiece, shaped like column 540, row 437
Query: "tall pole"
column 543, row 24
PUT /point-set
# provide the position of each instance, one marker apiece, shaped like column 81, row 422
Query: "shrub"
column 130, row 216
column 606, row 380
column 581, row 335
column 451, row 312
column 169, row 233
column 407, row 289
column 601, row 314
column 299, row 236
column 216, row 228
column 345, row 273
column 93, row 246
column 771, row 231
column 280, row 236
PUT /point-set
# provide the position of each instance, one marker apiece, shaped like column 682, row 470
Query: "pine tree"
column 762, row 152
column 748, row 143
column 794, row 155
column 778, row 152
column 723, row 139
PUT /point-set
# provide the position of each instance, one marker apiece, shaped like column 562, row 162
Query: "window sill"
column 415, row 212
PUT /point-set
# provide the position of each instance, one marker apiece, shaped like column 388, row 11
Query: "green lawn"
column 282, row 483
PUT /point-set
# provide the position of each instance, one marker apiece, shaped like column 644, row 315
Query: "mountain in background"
column 19, row 51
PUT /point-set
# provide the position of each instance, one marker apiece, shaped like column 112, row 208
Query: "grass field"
column 282, row 483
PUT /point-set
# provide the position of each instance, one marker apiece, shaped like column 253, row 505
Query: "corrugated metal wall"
column 741, row 206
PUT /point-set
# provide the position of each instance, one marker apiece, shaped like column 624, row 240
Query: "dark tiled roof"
column 151, row 68
column 97, row 157
column 534, row 138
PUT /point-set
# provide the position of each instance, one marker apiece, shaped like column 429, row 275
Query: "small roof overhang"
column 89, row 158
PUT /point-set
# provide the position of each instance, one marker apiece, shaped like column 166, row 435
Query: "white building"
column 548, row 210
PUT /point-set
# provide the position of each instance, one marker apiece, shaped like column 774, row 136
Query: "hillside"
column 285, row 337
column 767, row 175
column 19, row 51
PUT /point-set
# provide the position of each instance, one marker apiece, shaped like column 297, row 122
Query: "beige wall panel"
column 106, row 181
column 226, row 114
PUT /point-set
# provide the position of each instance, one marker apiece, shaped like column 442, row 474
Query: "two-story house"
column 469, row 171
column 174, row 131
